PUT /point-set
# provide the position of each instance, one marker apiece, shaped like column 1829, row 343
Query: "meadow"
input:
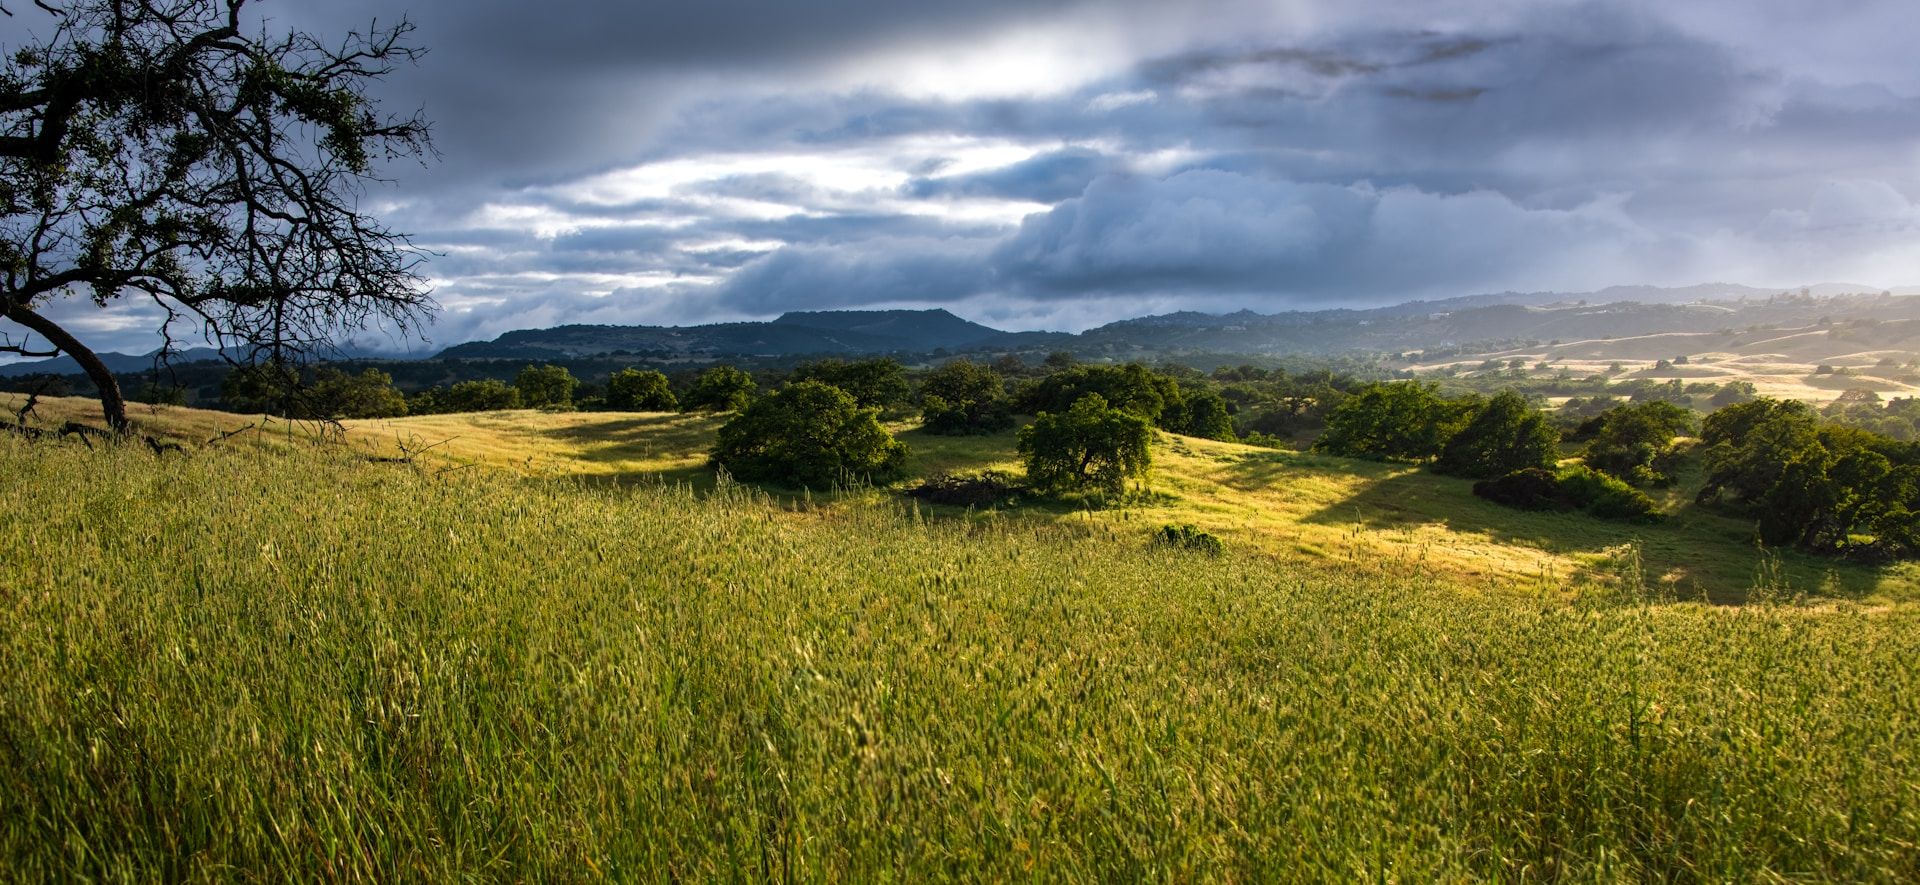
column 286, row 661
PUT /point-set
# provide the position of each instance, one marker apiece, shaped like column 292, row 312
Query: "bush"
column 809, row 434
column 982, row 489
column 636, row 390
column 722, row 388
column 1607, row 497
column 1534, row 488
column 1092, row 445
column 1186, row 537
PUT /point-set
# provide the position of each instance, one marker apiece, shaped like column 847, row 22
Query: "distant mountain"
column 119, row 363
column 847, row 332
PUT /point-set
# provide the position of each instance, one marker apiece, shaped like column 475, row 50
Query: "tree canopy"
column 1092, row 445
column 171, row 152
column 964, row 397
column 808, row 434
column 640, row 390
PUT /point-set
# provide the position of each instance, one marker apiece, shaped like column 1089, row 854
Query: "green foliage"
column 278, row 389
column 1606, row 496
column 481, row 395
column 638, row 390
column 1734, row 393
column 809, row 434
column 1633, row 442
column 384, row 674
column 874, row 384
column 1092, row 445
column 1573, row 488
column 722, row 388
column 1504, row 435
column 546, row 387
column 1825, row 488
column 1186, row 537
column 964, row 397
column 1192, row 410
column 1401, row 420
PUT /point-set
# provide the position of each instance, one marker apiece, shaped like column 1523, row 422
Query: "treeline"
column 1805, row 481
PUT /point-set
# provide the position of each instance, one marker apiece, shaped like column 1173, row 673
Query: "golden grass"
column 1292, row 507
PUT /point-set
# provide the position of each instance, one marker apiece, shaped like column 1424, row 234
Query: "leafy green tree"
column 809, row 434
column 482, row 395
column 546, row 387
column 1400, row 420
column 1091, row 445
column 339, row 395
column 875, row 383
column 722, row 388
column 1633, row 442
column 638, row 390
column 1503, row 436
column 276, row 388
column 1201, row 412
column 964, row 397
column 183, row 155
column 1734, row 393
column 1132, row 387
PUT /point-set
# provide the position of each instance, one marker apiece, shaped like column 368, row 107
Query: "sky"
column 1059, row 164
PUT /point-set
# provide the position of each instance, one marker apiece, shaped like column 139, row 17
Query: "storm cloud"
column 1066, row 163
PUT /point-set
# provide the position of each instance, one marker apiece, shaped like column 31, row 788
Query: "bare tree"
column 154, row 150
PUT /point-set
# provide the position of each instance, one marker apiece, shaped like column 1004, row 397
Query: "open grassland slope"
column 303, row 664
column 1295, row 507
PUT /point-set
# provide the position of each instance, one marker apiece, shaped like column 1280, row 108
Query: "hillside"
column 285, row 659
column 1298, row 509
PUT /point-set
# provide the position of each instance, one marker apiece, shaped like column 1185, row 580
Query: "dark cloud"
column 692, row 162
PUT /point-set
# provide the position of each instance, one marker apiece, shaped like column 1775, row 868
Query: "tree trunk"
column 112, row 405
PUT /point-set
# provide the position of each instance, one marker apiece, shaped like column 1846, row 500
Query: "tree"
column 637, row 390
column 546, row 386
column 483, row 395
column 1631, row 442
column 1091, row 445
column 809, row 434
column 1505, row 435
column 155, row 151
column 722, row 388
column 1132, row 387
column 277, row 388
column 876, row 383
column 1200, row 412
column 964, row 397
column 1402, row 420
column 1733, row 393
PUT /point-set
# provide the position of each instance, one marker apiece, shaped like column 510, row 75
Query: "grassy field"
column 1292, row 507
column 268, row 663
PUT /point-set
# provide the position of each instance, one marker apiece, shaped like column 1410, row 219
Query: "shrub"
column 808, row 434
column 982, row 489
column 1607, row 497
column 636, row 390
column 1092, row 445
column 1186, row 537
column 1534, row 488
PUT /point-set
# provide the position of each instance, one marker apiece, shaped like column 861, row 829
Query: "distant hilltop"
column 1617, row 312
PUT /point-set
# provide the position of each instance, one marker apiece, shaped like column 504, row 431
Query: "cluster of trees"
column 1813, row 484
column 809, row 434
column 1502, row 440
column 1897, row 418
column 323, row 393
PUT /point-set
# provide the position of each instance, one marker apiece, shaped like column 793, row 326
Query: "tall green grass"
column 274, row 665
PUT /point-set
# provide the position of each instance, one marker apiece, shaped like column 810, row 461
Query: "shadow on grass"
column 1694, row 553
